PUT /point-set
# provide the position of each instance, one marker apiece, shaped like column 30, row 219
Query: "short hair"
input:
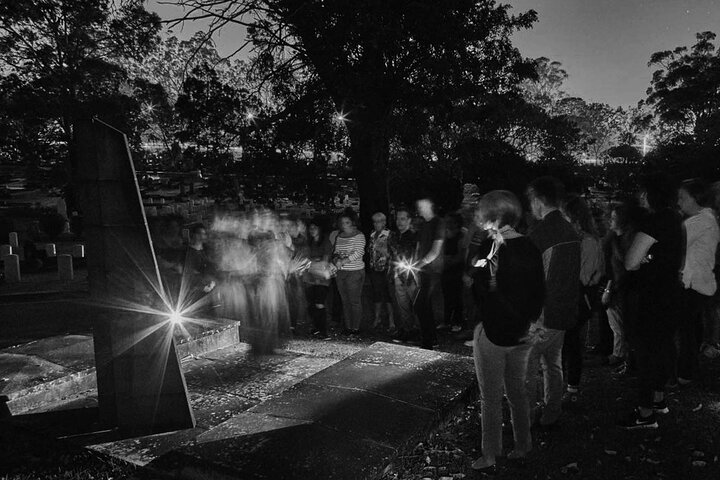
column 403, row 208
column 500, row 206
column 698, row 189
column 660, row 190
column 348, row 213
column 549, row 190
column 379, row 216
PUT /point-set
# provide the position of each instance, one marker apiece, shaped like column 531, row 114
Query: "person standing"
column 317, row 277
column 348, row 259
column 560, row 247
column 430, row 264
column 578, row 213
column 509, row 281
column 401, row 245
column 702, row 236
column 378, row 264
column 452, row 274
column 656, row 257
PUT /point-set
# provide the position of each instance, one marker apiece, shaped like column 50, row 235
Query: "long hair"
column 578, row 211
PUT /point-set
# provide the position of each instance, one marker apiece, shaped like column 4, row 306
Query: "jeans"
column 615, row 319
column 547, row 354
column 350, row 285
column 497, row 367
column 404, row 295
column 574, row 345
column 428, row 290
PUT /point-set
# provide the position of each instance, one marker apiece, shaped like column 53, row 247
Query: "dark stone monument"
column 141, row 388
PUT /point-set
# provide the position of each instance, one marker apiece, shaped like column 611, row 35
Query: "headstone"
column 78, row 251
column 186, row 234
column 5, row 250
column 50, row 249
column 12, row 268
column 65, row 267
column 161, row 201
column 151, row 211
column 14, row 240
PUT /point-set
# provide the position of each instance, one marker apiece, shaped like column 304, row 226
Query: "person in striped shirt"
column 348, row 259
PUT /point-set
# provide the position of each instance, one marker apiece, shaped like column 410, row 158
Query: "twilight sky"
column 604, row 45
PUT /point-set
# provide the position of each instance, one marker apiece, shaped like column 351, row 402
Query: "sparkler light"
column 175, row 317
column 407, row 267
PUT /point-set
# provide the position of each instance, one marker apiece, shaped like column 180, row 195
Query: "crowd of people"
column 529, row 289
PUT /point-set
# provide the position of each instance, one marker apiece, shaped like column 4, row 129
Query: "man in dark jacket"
column 560, row 247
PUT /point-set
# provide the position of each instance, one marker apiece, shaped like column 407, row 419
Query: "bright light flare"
column 341, row 117
column 407, row 267
column 250, row 116
column 175, row 317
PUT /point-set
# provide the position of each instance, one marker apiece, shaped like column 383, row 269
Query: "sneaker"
column 661, row 407
column 635, row 421
column 456, row 328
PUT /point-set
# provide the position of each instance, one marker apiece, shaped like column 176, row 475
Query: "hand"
column 605, row 299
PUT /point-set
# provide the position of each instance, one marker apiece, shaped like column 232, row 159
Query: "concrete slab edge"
column 33, row 398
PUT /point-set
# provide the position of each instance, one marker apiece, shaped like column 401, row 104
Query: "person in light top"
column 348, row 251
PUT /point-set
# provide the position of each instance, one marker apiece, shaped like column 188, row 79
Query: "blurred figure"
column 348, row 260
column 429, row 260
column 578, row 214
column 656, row 256
column 401, row 245
column 560, row 246
column 452, row 281
column 509, row 281
column 378, row 264
column 702, row 236
column 711, row 333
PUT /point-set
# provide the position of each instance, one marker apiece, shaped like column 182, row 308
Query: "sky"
column 604, row 45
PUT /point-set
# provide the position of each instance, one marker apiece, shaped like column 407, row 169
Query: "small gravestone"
column 50, row 250
column 14, row 239
column 5, row 250
column 12, row 268
column 78, row 251
column 65, row 267
column 151, row 211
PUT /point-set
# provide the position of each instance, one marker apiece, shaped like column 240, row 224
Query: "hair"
column 698, row 189
column 578, row 211
column 404, row 208
column 549, row 190
column 196, row 227
column 500, row 206
column 348, row 213
column 379, row 216
column 660, row 190
column 455, row 218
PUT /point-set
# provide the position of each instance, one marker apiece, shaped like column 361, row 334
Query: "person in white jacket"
column 702, row 236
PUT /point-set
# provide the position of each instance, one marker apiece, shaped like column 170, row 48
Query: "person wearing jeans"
column 508, row 279
column 560, row 247
column 401, row 245
column 348, row 259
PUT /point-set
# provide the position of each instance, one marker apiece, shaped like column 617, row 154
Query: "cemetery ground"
column 586, row 445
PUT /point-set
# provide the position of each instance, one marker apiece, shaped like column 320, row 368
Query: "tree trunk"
column 369, row 152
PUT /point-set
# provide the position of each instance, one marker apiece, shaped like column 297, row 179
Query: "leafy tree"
column 375, row 57
column 63, row 56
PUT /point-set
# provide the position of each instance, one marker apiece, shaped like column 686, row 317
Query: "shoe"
column 456, row 329
column 442, row 326
column 683, row 382
column 661, row 407
column 469, row 343
column 635, row 421
column 482, row 465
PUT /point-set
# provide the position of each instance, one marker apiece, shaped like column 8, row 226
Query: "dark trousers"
column 429, row 282
column 316, row 296
column 452, row 288
column 574, row 342
column 335, row 302
column 654, row 355
column 690, row 332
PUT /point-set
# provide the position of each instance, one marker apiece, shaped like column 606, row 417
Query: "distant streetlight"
column 341, row 117
column 250, row 116
column 645, row 145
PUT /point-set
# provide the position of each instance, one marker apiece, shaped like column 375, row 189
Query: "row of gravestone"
column 11, row 259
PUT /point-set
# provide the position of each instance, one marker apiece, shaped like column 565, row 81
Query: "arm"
column 432, row 254
column 638, row 251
